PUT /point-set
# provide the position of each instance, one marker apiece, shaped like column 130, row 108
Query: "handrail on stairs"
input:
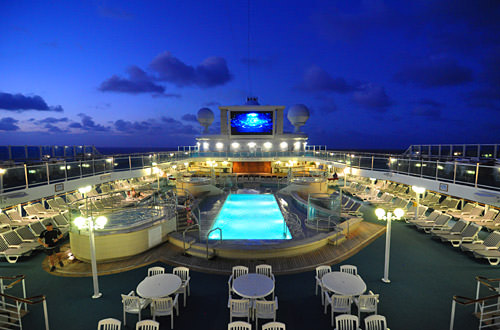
column 220, row 237
column 16, row 279
column 31, row 301
column 184, row 234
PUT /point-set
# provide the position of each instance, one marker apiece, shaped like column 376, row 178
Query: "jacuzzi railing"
column 188, row 229
column 208, row 234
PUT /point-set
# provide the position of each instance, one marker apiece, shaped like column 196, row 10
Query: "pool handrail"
column 220, row 238
column 184, row 235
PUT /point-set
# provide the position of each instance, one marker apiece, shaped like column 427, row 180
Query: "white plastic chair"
column 239, row 308
column 155, row 271
column 109, row 324
column 265, row 310
column 147, row 325
column 183, row 273
column 133, row 304
column 320, row 271
column 346, row 322
column 367, row 303
column 265, row 270
column 237, row 271
column 165, row 306
column 350, row 269
column 338, row 304
column 274, row 326
column 375, row 322
column 239, row 325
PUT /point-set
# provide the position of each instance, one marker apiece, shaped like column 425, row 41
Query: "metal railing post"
column 452, row 318
column 45, row 314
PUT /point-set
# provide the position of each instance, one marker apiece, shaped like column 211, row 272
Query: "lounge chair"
column 493, row 256
column 431, row 218
column 491, row 242
column 487, row 217
column 14, row 240
column 16, row 217
column 467, row 209
column 441, row 221
column 468, row 235
column 12, row 253
column 456, row 229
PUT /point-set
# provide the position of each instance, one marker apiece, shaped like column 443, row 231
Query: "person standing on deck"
column 50, row 241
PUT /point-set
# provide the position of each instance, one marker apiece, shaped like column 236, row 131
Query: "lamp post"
column 88, row 222
column 382, row 215
column 156, row 171
column 2, row 172
column 418, row 191
column 346, row 170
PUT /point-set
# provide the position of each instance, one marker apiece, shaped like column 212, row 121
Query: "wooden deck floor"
column 169, row 254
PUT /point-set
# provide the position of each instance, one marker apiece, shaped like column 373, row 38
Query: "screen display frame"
column 233, row 129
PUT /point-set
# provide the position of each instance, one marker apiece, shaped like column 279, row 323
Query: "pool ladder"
column 208, row 234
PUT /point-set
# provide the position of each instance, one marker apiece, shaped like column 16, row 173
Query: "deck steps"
column 338, row 239
column 200, row 250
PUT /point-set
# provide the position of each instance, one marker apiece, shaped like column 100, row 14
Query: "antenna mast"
column 248, row 50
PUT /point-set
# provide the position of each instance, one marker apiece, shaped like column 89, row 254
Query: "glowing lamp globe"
column 380, row 213
column 418, row 190
column 399, row 213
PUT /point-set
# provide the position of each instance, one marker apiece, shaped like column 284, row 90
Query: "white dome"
column 298, row 114
column 205, row 118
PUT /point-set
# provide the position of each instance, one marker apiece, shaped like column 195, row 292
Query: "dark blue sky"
column 374, row 74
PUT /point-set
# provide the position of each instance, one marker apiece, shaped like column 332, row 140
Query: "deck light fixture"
column 388, row 216
column 267, row 145
column 283, row 145
column 219, row 145
column 251, row 144
column 235, row 145
column 80, row 222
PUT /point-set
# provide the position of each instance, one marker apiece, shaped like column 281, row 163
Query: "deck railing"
column 11, row 310
column 476, row 174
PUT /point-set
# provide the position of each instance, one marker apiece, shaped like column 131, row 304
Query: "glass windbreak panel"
column 4, row 153
column 109, row 164
column 73, row 170
column 57, row 172
column 425, row 150
column 445, row 170
column 445, row 151
column 58, row 151
column 381, row 163
column 435, row 150
column 14, row 178
column 466, row 173
column 365, row 162
column 148, row 160
column 99, row 165
column 37, row 175
column 46, row 151
column 488, row 176
column 487, row 151
column 69, row 151
column 416, row 167
column 471, row 151
column 393, row 164
column 121, row 164
column 355, row 161
column 429, row 169
column 79, row 152
column 136, row 162
column 18, row 153
column 458, row 150
column 88, row 168
column 403, row 165
column 33, row 152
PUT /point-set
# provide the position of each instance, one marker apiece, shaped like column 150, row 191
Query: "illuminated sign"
column 251, row 122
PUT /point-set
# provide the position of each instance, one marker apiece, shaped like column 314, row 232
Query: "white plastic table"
column 253, row 286
column 344, row 283
column 158, row 286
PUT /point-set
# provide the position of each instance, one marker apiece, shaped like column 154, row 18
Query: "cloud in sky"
column 372, row 96
column 427, row 108
column 52, row 120
column 137, row 82
column 213, row 71
column 434, row 72
column 190, row 117
column 316, row 79
column 19, row 102
column 132, row 126
column 8, row 124
column 88, row 124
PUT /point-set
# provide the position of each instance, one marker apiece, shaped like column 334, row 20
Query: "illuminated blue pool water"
column 250, row 216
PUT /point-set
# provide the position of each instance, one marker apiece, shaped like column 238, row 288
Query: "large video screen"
column 251, row 122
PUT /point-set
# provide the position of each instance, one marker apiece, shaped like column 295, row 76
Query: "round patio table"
column 344, row 283
column 253, row 286
column 157, row 286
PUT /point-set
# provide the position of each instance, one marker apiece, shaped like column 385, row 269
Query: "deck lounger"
column 494, row 225
column 420, row 212
column 37, row 227
column 34, row 213
column 431, row 218
column 12, row 253
column 16, row 217
column 42, row 210
column 449, row 204
column 468, row 235
column 456, row 229
column 474, row 214
column 491, row 242
column 493, row 256
column 13, row 240
column 26, row 234
column 54, row 205
column 466, row 210
column 441, row 221
column 60, row 220
column 5, row 220
column 487, row 217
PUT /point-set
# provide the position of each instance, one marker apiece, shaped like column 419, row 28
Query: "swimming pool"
column 250, row 216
